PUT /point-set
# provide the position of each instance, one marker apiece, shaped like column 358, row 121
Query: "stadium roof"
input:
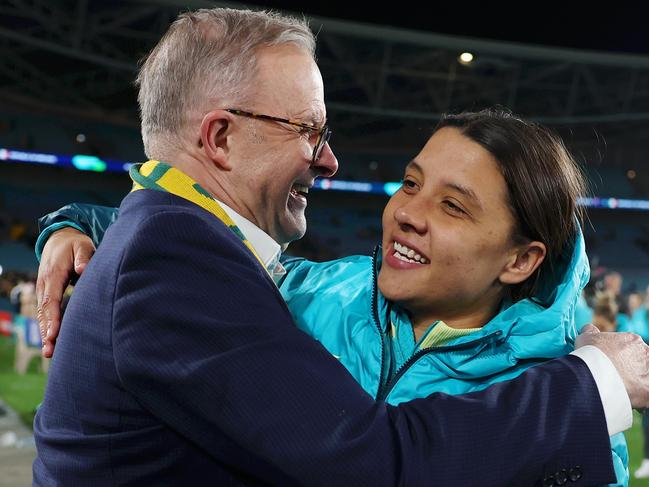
column 389, row 72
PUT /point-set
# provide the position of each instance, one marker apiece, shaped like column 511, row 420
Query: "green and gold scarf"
column 163, row 177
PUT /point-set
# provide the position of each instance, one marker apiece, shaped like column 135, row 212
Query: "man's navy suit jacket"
column 178, row 364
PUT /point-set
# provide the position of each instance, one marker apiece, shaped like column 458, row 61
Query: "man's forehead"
column 289, row 80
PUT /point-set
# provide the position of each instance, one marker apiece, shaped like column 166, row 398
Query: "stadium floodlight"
column 465, row 58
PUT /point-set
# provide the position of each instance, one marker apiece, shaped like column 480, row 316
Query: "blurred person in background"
column 14, row 294
column 23, row 296
column 605, row 311
column 634, row 302
column 478, row 274
column 613, row 283
column 643, row 471
column 639, row 324
column 28, row 302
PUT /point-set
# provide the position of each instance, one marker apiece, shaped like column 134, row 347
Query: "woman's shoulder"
column 308, row 276
column 293, row 263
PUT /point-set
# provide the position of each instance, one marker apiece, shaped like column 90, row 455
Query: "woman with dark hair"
column 481, row 266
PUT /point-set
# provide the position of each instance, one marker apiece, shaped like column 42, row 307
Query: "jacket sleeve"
column 93, row 220
column 214, row 349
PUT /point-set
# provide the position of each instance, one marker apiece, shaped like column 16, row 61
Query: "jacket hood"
column 537, row 328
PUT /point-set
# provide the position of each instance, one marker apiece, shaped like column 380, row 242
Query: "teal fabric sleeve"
column 93, row 220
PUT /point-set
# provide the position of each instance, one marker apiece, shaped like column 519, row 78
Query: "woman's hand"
column 65, row 256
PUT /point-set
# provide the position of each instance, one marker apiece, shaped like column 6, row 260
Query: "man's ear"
column 523, row 262
column 215, row 128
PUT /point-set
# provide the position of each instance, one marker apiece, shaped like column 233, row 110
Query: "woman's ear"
column 523, row 262
column 214, row 141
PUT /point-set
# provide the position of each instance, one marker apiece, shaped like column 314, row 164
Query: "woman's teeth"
column 408, row 255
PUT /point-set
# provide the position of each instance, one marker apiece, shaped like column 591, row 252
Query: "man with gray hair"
column 178, row 362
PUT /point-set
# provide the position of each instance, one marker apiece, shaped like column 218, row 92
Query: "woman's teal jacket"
column 339, row 304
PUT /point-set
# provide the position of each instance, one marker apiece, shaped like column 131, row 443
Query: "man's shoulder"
column 305, row 277
column 144, row 203
column 157, row 223
column 145, row 209
column 344, row 267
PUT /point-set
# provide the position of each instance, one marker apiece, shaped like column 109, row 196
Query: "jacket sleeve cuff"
column 615, row 400
column 48, row 231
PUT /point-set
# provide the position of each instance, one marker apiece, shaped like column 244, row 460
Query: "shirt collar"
column 268, row 250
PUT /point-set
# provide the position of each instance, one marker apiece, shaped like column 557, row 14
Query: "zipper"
column 375, row 314
column 385, row 391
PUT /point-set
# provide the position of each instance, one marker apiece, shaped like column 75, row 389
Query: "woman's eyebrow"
column 468, row 192
column 414, row 165
column 460, row 188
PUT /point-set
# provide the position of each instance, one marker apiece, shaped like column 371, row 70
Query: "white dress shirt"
column 616, row 402
column 267, row 249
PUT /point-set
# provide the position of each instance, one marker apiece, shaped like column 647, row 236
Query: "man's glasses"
column 323, row 133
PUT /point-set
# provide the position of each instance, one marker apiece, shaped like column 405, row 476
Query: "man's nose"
column 327, row 164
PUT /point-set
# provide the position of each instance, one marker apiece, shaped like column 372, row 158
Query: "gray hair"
column 207, row 55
